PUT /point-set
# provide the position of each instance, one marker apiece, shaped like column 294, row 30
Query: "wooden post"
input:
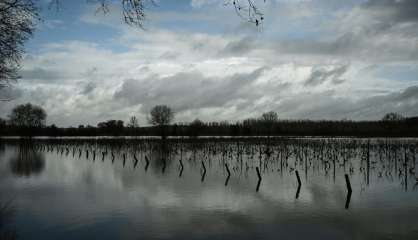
column 368, row 163
column 181, row 168
column 347, row 200
column 259, row 178
column 146, row 163
column 135, row 161
column 348, row 184
column 164, row 165
column 229, row 174
column 204, row 171
column 298, row 178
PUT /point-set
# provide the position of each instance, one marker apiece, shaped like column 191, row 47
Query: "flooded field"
column 209, row 189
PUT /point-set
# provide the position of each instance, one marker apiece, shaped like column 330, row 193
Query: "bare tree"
column 17, row 21
column 248, row 10
column 161, row 116
column 270, row 117
column 133, row 122
column 28, row 116
column 134, row 11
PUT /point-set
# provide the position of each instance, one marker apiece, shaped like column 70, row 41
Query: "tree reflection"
column 159, row 156
column 27, row 161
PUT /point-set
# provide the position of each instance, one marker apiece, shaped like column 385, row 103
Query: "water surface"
column 140, row 189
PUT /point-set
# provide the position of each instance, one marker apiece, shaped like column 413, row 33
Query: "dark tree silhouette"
column 161, row 116
column 2, row 123
column 17, row 21
column 392, row 117
column 28, row 116
column 269, row 117
column 114, row 127
column 196, row 127
column 133, row 122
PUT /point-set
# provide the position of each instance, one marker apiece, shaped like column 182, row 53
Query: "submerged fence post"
column 229, row 174
column 299, row 184
column 164, row 166
column 135, row 161
column 181, row 168
column 298, row 178
column 347, row 183
column 259, row 178
column 204, row 171
column 147, row 163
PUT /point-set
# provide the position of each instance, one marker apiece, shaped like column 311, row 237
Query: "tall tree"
column 28, row 116
column 270, row 117
column 161, row 116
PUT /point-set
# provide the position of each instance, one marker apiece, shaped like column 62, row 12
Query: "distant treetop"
column 393, row 117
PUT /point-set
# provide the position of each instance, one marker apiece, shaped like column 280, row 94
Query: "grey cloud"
column 400, row 10
column 409, row 93
column 321, row 75
column 372, row 31
column 187, row 91
column 88, row 88
column 170, row 55
column 8, row 93
column 42, row 74
column 239, row 47
column 328, row 105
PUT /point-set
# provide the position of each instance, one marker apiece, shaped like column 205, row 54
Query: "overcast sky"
column 316, row 59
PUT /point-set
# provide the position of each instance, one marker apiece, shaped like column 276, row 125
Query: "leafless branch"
column 247, row 10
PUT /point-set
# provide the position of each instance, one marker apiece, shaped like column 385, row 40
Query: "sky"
column 310, row 59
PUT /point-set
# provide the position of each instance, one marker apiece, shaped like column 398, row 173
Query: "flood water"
column 146, row 189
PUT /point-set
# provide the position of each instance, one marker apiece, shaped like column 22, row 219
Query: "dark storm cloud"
column 320, row 75
column 187, row 91
column 400, row 11
column 372, row 31
column 410, row 93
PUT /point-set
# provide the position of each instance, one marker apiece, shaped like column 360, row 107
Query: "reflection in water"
column 348, row 189
column 27, row 161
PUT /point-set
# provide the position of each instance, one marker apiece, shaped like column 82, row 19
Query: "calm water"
column 83, row 189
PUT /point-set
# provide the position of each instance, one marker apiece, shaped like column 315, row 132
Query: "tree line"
column 29, row 120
